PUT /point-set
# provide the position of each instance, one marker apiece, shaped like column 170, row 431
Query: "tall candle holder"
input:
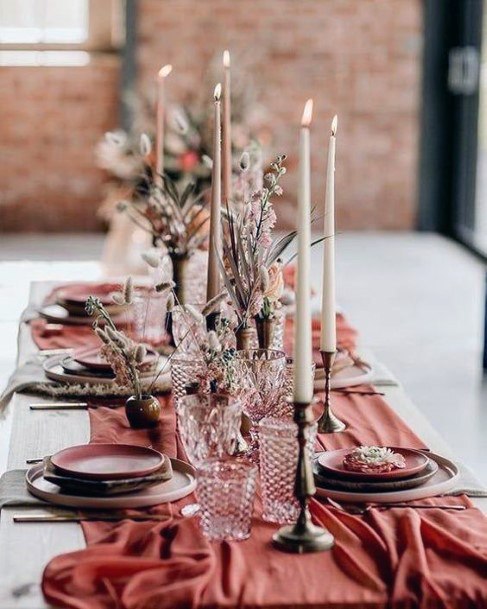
column 329, row 422
column 303, row 536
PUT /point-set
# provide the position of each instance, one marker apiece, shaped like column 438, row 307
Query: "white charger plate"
column 55, row 372
column 443, row 481
column 182, row 483
column 347, row 377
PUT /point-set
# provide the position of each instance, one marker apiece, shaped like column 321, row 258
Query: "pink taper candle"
column 213, row 283
column 303, row 357
column 227, row 129
column 161, row 103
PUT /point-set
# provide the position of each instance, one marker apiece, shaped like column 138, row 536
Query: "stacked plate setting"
column 425, row 475
column 110, row 476
column 69, row 305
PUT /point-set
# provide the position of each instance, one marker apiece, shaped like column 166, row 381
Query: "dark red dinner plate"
column 332, row 462
column 91, row 358
column 107, row 461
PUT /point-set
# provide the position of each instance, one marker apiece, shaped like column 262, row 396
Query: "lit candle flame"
column 165, row 70
column 226, row 58
column 218, row 92
column 307, row 113
column 334, row 125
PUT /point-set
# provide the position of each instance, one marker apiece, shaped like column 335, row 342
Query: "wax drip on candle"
column 165, row 71
column 307, row 113
column 218, row 92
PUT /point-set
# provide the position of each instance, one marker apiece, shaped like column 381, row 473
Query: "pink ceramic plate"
column 78, row 294
column 91, row 358
column 182, row 483
column 107, row 461
column 332, row 462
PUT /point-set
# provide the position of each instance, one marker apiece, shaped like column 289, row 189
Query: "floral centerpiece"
column 250, row 264
column 128, row 360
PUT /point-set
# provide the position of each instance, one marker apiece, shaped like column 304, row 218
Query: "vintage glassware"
column 278, row 451
column 285, row 406
column 185, row 373
column 226, row 491
column 208, row 425
column 259, row 378
column 149, row 310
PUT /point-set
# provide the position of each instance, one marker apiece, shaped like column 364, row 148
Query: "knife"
column 86, row 518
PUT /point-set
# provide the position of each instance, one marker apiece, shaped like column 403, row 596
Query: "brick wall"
column 50, row 119
column 358, row 58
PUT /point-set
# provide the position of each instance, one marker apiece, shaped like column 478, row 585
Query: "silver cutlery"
column 24, row 518
column 357, row 392
column 359, row 510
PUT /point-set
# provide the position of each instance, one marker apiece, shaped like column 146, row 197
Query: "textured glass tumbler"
column 184, row 373
column 278, row 462
column 208, row 425
column 285, row 406
column 150, row 317
column 226, row 491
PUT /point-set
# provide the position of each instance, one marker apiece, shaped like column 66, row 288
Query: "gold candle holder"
column 329, row 422
column 303, row 536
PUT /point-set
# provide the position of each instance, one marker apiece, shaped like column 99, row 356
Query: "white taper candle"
column 303, row 381
column 328, row 314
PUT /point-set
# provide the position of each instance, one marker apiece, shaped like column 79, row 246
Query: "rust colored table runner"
column 394, row 559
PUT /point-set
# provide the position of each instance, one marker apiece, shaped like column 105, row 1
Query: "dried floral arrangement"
column 125, row 356
column 188, row 141
column 250, row 263
column 216, row 349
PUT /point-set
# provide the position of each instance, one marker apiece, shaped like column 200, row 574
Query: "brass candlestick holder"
column 328, row 422
column 303, row 536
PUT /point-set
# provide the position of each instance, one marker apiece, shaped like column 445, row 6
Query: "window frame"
column 105, row 32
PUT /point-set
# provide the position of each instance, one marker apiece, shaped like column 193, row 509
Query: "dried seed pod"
column 140, row 353
column 245, row 161
column 264, row 278
column 165, row 285
column 170, row 302
column 212, row 304
column 102, row 335
column 128, row 290
column 145, row 145
column 195, row 314
column 152, row 257
column 118, row 298
column 213, row 341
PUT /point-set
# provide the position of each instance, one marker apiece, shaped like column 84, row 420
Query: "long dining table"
column 26, row 549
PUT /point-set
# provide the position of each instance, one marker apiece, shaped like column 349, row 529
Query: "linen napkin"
column 13, row 490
